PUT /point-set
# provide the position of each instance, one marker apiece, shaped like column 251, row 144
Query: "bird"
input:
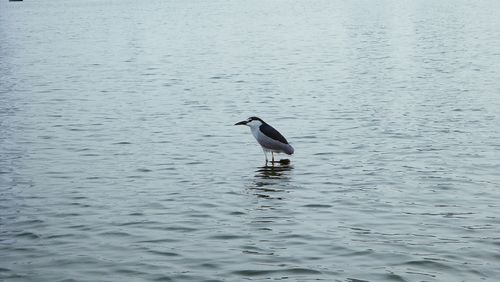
column 269, row 138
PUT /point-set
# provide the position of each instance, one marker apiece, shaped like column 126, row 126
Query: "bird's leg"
column 265, row 156
column 272, row 154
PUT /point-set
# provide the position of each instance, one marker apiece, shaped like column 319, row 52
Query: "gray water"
column 119, row 160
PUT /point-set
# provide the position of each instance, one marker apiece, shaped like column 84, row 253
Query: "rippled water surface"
column 119, row 160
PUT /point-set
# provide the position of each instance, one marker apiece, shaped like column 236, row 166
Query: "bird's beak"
column 241, row 123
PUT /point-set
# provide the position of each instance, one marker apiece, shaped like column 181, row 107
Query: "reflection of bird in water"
column 273, row 172
column 271, row 181
column 268, row 137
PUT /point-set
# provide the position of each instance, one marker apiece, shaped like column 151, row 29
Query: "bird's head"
column 251, row 122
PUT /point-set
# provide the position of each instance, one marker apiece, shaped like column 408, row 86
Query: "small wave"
column 144, row 170
column 226, row 237
column 115, row 233
column 429, row 264
column 122, row 143
column 164, row 253
column 298, row 270
column 29, row 235
column 317, row 206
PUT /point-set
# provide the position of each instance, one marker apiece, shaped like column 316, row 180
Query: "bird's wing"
column 272, row 133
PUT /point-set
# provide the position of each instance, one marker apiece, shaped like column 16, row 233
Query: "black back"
column 272, row 133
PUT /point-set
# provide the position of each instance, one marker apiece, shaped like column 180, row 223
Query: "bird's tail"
column 289, row 150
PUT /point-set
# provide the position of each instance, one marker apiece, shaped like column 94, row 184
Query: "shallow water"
column 119, row 159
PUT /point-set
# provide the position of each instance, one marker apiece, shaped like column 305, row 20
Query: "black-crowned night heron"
column 268, row 137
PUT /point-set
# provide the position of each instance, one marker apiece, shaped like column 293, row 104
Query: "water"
column 119, row 159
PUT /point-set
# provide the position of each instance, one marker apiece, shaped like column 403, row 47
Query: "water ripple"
column 119, row 159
